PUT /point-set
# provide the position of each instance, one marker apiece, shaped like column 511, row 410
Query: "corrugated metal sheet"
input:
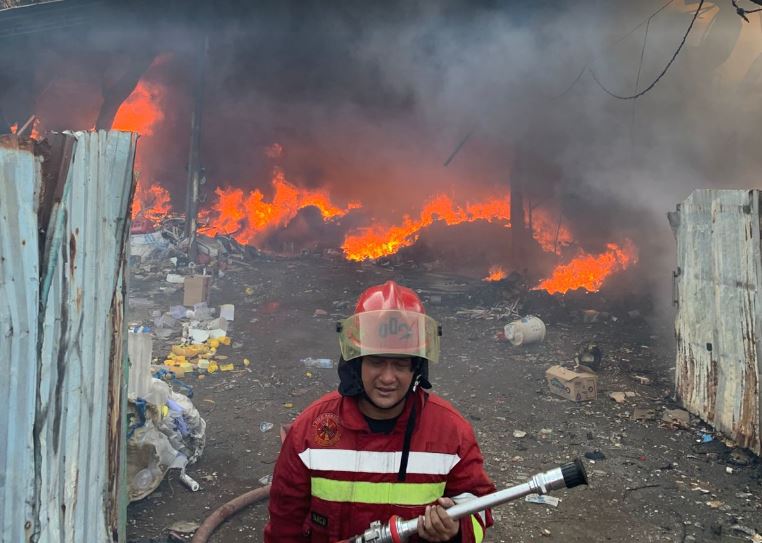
column 79, row 381
column 19, row 279
column 718, row 282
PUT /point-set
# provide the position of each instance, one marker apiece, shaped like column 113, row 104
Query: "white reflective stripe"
column 426, row 463
column 466, row 496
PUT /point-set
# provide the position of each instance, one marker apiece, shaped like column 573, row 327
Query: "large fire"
column 376, row 241
column 590, row 271
column 151, row 202
column 248, row 217
column 140, row 113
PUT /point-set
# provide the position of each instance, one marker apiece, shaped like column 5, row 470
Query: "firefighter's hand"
column 435, row 524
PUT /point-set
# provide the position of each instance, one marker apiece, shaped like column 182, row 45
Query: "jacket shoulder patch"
column 326, row 429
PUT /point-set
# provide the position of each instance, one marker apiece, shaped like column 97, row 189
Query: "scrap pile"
column 165, row 430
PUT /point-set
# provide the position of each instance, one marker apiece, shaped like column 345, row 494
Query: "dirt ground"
column 654, row 482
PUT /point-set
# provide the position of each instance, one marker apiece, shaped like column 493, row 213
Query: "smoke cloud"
column 368, row 100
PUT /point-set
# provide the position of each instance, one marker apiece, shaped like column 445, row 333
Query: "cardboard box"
column 196, row 289
column 578, row 386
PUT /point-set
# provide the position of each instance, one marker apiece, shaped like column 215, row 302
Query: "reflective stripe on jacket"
column 334, row 476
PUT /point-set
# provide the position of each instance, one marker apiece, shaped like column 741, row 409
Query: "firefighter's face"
column 386, row 382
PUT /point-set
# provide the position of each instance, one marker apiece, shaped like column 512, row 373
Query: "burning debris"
column 589, row 271
column 248, row 219
column 496, row 273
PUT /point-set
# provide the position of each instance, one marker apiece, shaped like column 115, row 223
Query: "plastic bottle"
column 144, row 478
column 317, row 362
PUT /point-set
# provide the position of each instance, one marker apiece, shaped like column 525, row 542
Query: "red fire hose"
column 228, row 510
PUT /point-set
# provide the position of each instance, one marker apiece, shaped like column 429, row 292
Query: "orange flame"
column 549, row 232
column 142, row 110
column 588, row 271
column 247, row 218
column 496, row 273
column 140, row 113
column 35, row 133
column 376, row 241
column 152, row 202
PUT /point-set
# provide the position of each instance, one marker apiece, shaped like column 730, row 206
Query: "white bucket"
column 529, row 329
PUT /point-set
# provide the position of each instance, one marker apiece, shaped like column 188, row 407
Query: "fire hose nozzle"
column 574, row 473
column 398, row 530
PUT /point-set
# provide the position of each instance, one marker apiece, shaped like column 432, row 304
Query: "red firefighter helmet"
column 389, row 320
column 390, row 295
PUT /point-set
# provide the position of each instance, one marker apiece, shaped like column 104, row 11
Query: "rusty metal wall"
column 73, row 374
column 718, row 282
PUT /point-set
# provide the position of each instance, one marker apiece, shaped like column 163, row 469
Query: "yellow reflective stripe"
column 365, row 492
column 478, row 530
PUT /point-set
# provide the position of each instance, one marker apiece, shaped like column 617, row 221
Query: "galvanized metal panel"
column 61, row 336
column 81, row 367
column 19, row 276
column 718, row 322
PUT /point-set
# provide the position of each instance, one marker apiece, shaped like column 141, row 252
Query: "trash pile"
column 164, row 429
column 161, row 240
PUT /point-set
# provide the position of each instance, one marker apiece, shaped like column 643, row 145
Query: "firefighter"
column 380, row 445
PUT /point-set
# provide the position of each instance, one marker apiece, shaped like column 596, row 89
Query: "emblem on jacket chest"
column 326, row 429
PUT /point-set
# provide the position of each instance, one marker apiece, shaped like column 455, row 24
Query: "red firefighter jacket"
column 334, row 476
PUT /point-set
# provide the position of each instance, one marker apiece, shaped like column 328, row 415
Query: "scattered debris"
column 595, row 454
column 519, row 433
column 529, row 329
column 266, row 427
column 740, row 457
column 227, row 312
column 310, row 362
column 618, row 397
column 677, row 417
column 579, row 385
column 590, row 355
column 542, row 499
column 184, row 527
column 175, row 278
column 642, row 380
column 590, row 315
column 643, row 414
column 196, row 289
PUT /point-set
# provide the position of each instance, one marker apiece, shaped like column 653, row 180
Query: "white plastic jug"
column 140, row 351
column 529, row 329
